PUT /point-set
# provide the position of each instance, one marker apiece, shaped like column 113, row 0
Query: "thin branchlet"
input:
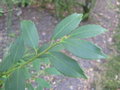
column 23, row 64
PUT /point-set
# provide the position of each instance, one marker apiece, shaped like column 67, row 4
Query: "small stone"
column 91, row 69
column 32, row 72
column 19, row 12
column 54, row 83
column 118, row 3
column 34, row 18
column 43, row 33
column 98, row 60
column 110, row 40
column 116, row 77
column 71, row 87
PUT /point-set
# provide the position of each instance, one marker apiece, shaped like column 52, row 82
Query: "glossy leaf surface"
column 29, row 33
column 67, row 25
column 88, row 31
column 66, row 65
column 16, row 81
column 15, row 53
column 83, row 49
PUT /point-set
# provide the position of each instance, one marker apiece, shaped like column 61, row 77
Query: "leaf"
column 29, row 33
column 28, row 75
column 2, row 88
column 36, row 64
column 66, row 65
column 67, row 25
column 45, row 61
column 29, row 87
column 42, row 83
column 87, row 31
column 52, row 71
column 39, row 88
column 6, row 63
column 1, row 10
column 83, row 49
column 16, row 52
column 16, row 81
column 56, row 48
column 45, row 46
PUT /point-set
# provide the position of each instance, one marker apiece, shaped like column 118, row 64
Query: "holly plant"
column 27, row 62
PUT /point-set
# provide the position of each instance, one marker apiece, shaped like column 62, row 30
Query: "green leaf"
column 66, row 65
column 42, row 83
column 6, row 63
column 15, row 53
column 16, row 81
column 67, row 25
column 2, row 88
column 28, row 75
column 56, row 48
column 36, row 64
column 52, row 71
column 29, row 87
column 45, row 61
column 1, row 10
column 83, row 49
column 29, row 33
column 17, row 50
column 45, row 46
column 39, row 88
column 87, row 31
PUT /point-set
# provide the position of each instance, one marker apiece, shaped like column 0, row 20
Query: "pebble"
column 110, row 40
column 43, row 33
column 118, row 3
column 71, row 87
column 19, row 12
column 98, row 60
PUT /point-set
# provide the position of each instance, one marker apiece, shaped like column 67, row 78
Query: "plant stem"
column 30, row 60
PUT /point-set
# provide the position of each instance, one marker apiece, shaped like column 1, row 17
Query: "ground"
column 104, row 13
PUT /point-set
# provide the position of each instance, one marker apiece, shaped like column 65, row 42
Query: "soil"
column 104, row 13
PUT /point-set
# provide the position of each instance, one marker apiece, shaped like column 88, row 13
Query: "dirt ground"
column 104, row 13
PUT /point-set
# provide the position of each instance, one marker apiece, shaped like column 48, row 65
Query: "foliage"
column 15, row 69
column 109, row 78
column 22, row 3
column 112, row 80
column 63, row 7
column 1, row 12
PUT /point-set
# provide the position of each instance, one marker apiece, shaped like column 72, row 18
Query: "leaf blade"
column 36, row 64
column 42, row 83
column 29, row 33
column 67, row 25
column 88, row 31
column 83, row 49
column 15, row 53
column 16, row 81
column 52, row 71
column 29, row 86
column 66, row 65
